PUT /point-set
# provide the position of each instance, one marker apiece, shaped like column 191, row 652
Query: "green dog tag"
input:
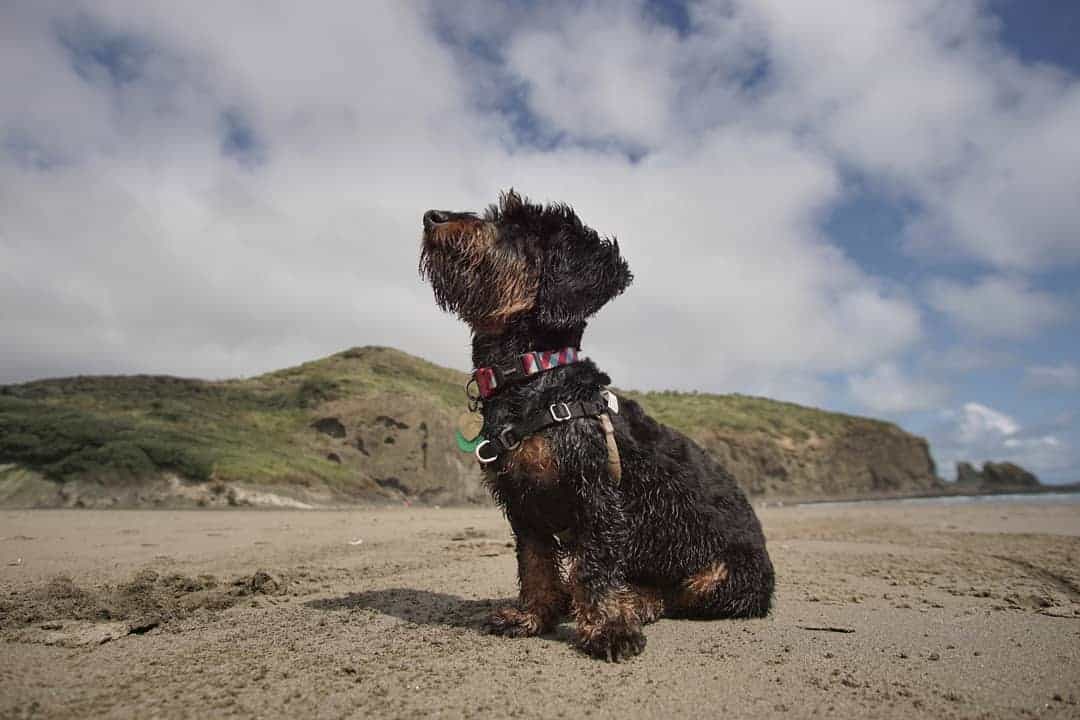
column 466, row 446
column 469, row 425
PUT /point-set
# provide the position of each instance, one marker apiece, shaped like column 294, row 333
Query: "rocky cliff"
column 859, row 462
column 995, row 477
column 782, row 450
column 375, row 424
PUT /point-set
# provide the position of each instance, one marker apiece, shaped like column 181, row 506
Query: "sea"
column 1047, row 498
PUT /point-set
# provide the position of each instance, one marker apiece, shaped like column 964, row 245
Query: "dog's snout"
column 435, row 217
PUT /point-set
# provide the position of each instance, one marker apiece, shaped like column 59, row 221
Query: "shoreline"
column 29, row 492
column 1071, row 489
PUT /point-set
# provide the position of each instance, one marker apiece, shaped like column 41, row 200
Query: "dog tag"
column 469, row 426
column 611, row 400
column 466, row 446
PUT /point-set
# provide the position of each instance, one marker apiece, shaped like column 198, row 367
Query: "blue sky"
column 868, row 207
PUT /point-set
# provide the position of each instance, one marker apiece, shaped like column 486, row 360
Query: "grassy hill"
column 692, row 412
column 363, row 424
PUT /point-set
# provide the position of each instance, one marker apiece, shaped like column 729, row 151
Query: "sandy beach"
column 883, row 610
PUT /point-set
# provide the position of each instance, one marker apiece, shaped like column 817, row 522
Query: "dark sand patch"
column 62, row 612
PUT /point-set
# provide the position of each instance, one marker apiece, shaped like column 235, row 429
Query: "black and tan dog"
column 618, row 519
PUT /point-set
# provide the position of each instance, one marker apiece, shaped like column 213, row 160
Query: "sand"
column 885, row 610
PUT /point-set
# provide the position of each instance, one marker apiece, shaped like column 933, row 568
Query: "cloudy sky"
column 868, row 206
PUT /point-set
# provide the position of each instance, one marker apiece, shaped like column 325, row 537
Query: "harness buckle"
column 480, row 457
column 556, row 416
column 506, row 443
column 611, row 399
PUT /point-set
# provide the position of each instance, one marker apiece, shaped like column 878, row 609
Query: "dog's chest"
column 532, row 464
column 529, row 486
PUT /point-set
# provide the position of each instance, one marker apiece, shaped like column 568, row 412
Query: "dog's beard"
column 477, row 284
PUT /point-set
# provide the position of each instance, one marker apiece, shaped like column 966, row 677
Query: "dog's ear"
column 579, row 276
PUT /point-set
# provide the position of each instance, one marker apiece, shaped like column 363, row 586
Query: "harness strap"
column 614, row 463
column 600, row 407
column 510, row 436
column 565, row 537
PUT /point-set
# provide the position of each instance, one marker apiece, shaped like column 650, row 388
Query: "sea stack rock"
column 995, row 477
column 966, row 474
column 1009, row 475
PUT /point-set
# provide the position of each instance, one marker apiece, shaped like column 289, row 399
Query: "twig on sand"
column 826, row 628
column 1047, row 613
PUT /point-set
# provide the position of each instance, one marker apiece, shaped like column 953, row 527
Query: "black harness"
column 510, row 436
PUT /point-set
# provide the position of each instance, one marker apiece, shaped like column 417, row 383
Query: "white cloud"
column 601, row 73
column 997, row 306
column 921, row 95
column 977, row 422
column 152, row 250
column 1065, row 376
column 130, row 242
column 889, row 389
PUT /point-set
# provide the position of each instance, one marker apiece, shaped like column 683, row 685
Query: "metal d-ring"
column 472, row 382
column 503, row 440
column 480, row 457
column 474, row 399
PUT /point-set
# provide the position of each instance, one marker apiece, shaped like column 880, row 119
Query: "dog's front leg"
column 543, row 597
column 606, row 609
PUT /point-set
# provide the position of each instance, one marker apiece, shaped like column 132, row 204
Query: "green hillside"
column 395, row 412
column 125, row 427
column 692, row 412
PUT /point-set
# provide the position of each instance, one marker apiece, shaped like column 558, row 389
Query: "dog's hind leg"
column 738, row 586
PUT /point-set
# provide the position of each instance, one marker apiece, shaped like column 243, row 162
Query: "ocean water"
column 1050, row 498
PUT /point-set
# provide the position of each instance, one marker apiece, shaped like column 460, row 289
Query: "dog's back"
column 688, row 514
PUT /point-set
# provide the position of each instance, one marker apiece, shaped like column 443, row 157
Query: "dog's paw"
column 512, row 622
column 612, row 641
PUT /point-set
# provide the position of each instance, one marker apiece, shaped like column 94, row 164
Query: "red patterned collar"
column 489, row 380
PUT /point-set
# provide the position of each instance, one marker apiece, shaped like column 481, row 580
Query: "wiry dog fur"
column 676, row 536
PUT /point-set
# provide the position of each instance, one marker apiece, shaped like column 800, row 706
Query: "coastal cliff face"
column 861, row 462
column 377, row 425
column 782, row 450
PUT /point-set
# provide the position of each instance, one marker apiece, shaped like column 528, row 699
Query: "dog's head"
column 520, row 260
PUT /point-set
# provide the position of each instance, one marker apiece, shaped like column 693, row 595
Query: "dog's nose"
column 435, row 217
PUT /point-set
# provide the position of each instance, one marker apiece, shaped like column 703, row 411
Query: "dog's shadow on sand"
column 423, row 607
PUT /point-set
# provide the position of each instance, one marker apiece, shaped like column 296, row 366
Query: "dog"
column 617, row 519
